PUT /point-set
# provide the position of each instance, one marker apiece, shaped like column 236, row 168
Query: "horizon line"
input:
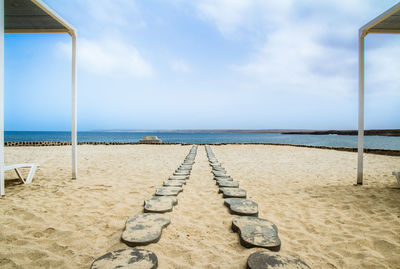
column 177, row 130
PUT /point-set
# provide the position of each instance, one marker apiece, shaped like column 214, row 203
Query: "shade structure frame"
column 2, row 191
column 379, row 25
column 66, row 28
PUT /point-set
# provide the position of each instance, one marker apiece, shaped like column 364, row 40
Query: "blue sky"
column 222, row 64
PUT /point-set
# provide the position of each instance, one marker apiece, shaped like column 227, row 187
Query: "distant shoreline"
column 388, row 132
column 376, row 132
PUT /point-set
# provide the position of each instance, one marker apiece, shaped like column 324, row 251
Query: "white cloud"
column 99, row 16
column 292, row 60
column 299, row 45
column 233, row 16
column 180, row 66
column 227, row 14
column 114, row 13
column 104, row 46
column 382, row 66
column 110, row 57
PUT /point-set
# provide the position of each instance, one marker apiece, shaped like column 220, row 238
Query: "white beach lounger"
column 32, row 166
column 397, row 175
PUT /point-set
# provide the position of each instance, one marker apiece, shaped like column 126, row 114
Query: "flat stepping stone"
column 160, row 204
column 220, row 174
column 179, row 170
column 218, row 168
column 181, row 173
column 183, row 170
column 174, row 183
column 187, row 167
column 228, row 178
column 268, row 259
column 144, row 229
column 178, row 177
column 242, row 207
column 233, row 192
column 127, row 258
column 255, row 232
column 227, row 184
column 168, row 191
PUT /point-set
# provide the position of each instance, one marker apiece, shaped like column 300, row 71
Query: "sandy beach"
column 308, row 193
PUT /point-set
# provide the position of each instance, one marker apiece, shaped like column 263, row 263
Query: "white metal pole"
column 74, row 110
column 360, row 109
column 1, row 97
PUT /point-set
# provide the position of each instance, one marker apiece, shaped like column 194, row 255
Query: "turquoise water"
column 373, row 142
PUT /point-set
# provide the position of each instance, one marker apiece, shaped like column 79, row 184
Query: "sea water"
column 372, row 142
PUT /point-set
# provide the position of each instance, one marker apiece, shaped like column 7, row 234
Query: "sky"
column 203, row 64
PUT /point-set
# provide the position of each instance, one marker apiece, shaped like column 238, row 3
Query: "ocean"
column 371, row 142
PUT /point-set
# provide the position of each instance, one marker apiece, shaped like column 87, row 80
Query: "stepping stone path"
column 144, row 229
column 233, row 192
column 147, row 228
column 242, row 207
column 159, row 204
column 126, row 258
column 255, row 232
column 168, row 191
column 267, row 259
column 227, row 184
column 174, row 183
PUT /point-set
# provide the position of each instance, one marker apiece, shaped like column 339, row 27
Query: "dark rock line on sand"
column 387, row 152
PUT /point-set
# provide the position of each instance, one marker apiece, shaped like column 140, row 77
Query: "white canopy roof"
column 33, row 16
column 386, row 23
